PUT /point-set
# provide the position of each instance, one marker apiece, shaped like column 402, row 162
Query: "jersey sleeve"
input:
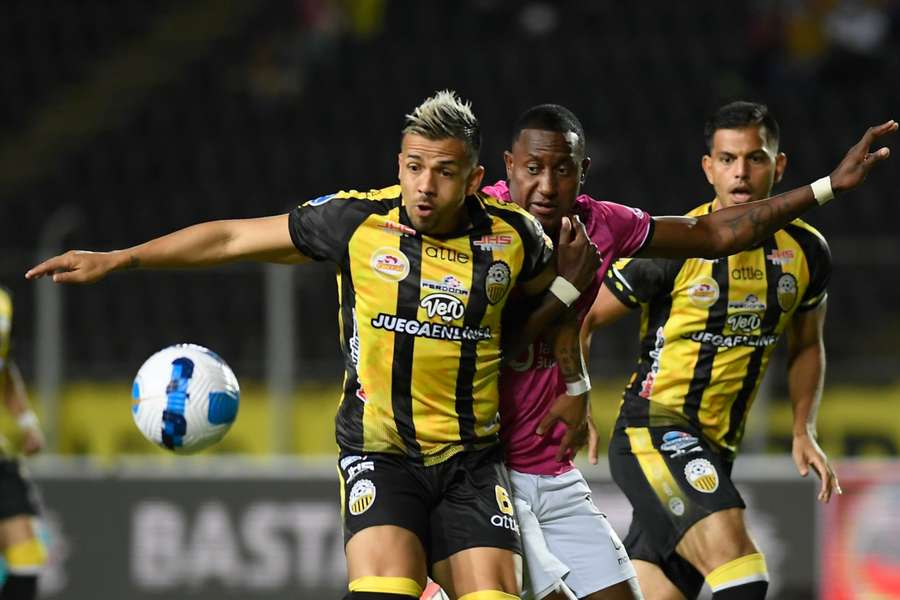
column 636, row 281
column 538, row 250
column 321, row 228
column 818, row 259
column 630, row 228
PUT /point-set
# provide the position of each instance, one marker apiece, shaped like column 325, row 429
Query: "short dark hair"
column 446, row 115
column 551, row 117
column 740, row 114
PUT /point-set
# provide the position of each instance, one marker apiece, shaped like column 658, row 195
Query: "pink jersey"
column 530, row 383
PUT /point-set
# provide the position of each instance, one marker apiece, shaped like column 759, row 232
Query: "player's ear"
column 780, row 165
column 585, row 165
column 508, row 160
column 399, row 164
column 706, row 165
column 475, row 177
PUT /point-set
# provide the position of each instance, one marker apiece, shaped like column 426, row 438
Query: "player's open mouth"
column 741, row 195
column 424, row 209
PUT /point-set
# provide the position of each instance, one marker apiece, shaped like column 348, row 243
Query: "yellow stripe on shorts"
column 653, row 465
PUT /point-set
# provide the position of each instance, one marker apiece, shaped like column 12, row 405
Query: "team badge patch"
column 362, row 496
column 787, row 291
column 702, row 475
column 497, row 281
column 676, row 505
column 390, row 264
column 704, row 292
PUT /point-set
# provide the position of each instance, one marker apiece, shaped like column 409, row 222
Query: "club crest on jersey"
column 362, row 496
column 390, row 264
column 679, row 443
column 702, row 475
column 493, row 242
column 497, row 281
column 787, row 291
column 704, row 292
column 780, row 257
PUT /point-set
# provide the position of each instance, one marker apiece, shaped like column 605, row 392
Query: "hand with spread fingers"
column 856, row 165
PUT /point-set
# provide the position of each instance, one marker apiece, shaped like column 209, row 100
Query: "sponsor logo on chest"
column 780, row 257
column 493, row 243
column 447, row 254
column 390, row 264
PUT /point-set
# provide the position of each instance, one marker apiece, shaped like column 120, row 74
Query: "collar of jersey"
column 479, row 220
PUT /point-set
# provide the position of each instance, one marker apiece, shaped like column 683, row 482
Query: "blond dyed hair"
column 446, row 115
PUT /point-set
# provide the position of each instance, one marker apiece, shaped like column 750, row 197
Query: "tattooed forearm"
column 741, row 227
column 133, row 262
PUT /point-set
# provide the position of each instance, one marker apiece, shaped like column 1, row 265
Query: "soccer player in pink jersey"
column 571, row 551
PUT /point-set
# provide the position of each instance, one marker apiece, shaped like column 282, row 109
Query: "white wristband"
column 822, row 190
column 579, row 387
column 564, row 290
column 28, row 420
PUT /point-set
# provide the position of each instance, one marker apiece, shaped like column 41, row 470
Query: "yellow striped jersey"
column 6, row 313
column 708, row 327
column 420, row 317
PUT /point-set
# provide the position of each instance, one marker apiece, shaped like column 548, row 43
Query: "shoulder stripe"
column 376, row 195
column 810, row 240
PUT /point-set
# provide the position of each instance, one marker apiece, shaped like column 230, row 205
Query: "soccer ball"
column 184, row 398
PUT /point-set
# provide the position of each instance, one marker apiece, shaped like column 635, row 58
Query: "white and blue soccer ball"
column 185, row 398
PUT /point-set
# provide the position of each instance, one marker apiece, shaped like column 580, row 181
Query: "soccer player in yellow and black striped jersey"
column 708, row 329
column 20, row 546
column 425, row 270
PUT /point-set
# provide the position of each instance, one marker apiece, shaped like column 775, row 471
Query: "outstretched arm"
column 806, row 376
column 736, row 228
column 212, row 243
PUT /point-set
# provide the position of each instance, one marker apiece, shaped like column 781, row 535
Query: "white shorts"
column 565, row 537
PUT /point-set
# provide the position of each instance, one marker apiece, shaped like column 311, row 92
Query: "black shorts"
column 673, row 478
column 18, row 496
column 463, row 502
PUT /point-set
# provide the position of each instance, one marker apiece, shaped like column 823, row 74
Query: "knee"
column 26, row 557
column 716, row 541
